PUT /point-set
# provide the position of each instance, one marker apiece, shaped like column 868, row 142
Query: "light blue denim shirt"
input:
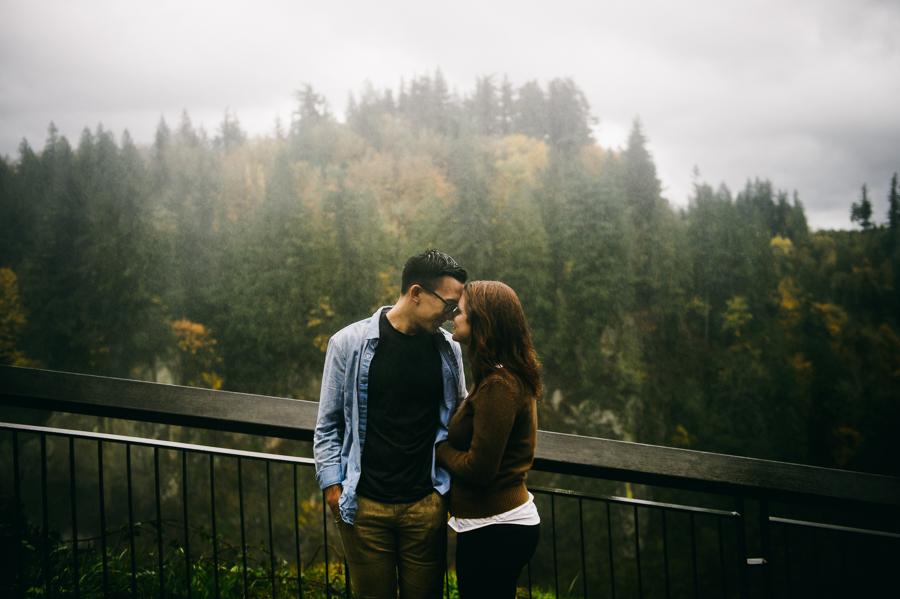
column 341, row 424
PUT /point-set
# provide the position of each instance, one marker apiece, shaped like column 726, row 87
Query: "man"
column 391, row 384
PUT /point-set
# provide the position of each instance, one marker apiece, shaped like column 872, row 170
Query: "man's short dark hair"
column 428, row 268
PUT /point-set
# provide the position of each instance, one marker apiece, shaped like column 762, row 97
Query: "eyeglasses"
column 449, row 307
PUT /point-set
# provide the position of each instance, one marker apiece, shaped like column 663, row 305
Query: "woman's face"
column 461, row 331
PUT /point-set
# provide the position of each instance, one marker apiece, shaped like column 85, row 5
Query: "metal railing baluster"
column 845, row 580
column 131, row 520
column 215, row 535
column 787, row 559
column 45, row 509
column 694, row 556
column 243, row 534
column 765, row 537
column 743, row 575
column 666, row 553
column 271, row 544
column 815, row 563
column 637, row 551
column 54, row 559
column 187, row 532
column 722, row 559
column 297, row 537
column 325, row 537
column 583, row 560
column 100, row 477
column 19, row 516
column 159, row 540
column 553, row 529
column 612, row 569
column 76, row 577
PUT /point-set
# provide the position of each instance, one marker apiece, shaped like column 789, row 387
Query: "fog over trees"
column 226, row 262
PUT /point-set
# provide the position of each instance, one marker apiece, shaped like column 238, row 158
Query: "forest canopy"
column 227, row 262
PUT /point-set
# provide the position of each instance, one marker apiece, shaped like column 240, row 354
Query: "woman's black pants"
column 490, row 559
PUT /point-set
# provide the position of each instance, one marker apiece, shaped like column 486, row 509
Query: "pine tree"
column 642, row 186
column 569, row 117
column 367, row 116
column 483, row 107
column 159, row 168
column 418, row 104
column 186, row 131
column 530, row 113
column 862, row 212
column 441, row 118
column 230, row 137
column 894, row 211
column 798, row 228
column 312, row 105
column 507, row 107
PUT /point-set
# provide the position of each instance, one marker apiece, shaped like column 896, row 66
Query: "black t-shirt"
column 405, row 389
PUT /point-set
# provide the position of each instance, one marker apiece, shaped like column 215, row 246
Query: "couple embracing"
column 399, row 441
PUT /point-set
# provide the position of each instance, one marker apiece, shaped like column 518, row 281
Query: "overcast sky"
column 804, row 93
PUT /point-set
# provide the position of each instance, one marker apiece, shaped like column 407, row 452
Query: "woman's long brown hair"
column 500, row 336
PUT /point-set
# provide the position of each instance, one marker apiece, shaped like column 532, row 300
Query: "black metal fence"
column 136, row 517
column 112, row 518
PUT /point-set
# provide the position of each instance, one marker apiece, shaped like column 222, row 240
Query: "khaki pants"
column 405, row 540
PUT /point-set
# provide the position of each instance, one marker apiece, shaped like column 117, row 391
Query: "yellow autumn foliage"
column 399, row 184
column 12, row 322
column 789, row 295
column 781, row 245
column 832, row 316
column 244, row 183
column 192, row 336
column 319, row 315
column 520, row 161
column 321, row 342
column 736, row 316
column 12, row 316
column 682, row 438
column 592, row 158
column 789, row 299
column 198, row 358
column 699, row 306
column 801, row 365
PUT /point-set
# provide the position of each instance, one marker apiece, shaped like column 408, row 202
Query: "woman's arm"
column 493, row 418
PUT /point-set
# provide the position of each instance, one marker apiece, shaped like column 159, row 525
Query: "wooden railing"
column 761, row 481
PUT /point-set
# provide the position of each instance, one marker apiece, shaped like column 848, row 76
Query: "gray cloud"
column 802, row 93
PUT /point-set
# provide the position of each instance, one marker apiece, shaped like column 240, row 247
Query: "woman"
column 491, row 444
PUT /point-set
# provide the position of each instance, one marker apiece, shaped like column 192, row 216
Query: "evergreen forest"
column 222, row 261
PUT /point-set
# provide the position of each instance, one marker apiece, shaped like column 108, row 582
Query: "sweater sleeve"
column 494, row 414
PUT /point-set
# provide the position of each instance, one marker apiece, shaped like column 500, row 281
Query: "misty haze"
column 710, row 270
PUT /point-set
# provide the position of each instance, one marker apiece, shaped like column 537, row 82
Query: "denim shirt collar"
column 373, row 331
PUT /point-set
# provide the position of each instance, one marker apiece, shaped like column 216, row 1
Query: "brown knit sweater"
column 489, row 450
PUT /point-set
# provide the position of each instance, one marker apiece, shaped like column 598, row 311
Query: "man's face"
column 436, row 305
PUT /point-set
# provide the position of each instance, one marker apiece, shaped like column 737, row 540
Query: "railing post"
column 765, row 536
column 743, row 574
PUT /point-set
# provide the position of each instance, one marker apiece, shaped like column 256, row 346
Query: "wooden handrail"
column 560, row 453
